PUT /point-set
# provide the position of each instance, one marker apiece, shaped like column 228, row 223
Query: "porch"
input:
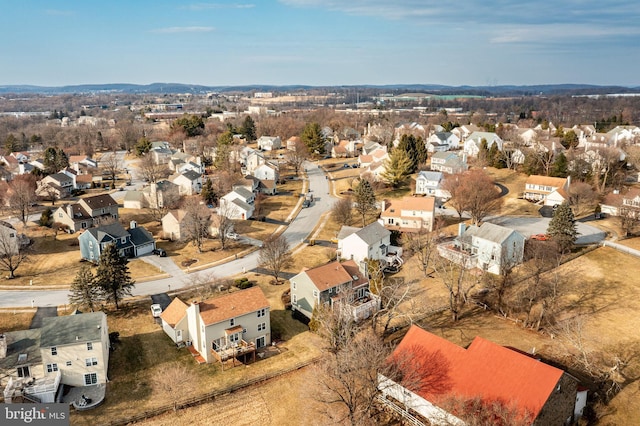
column 451, row 251
column 41, row 390
column 234, row 352
column 360, row 308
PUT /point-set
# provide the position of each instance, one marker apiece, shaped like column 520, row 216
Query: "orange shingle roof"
column 394, row 208
column 176, row 310
column 232, row 305
column 546, row 180
column 486, row 370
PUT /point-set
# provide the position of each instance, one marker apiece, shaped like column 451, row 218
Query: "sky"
column 320, row 42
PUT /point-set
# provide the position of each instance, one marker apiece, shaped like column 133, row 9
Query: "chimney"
column 3, row 346
column 461, row 228
column 70, row 210
column 133, row 224
column 196, row 307
column 383, row 205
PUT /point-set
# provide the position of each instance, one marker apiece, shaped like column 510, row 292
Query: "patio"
column 94, row 396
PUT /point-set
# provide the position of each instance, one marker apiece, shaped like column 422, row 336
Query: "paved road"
column 299, row 229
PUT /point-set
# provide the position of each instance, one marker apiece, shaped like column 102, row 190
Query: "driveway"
column 41, row 314
column 528, row 226
column 166, row 264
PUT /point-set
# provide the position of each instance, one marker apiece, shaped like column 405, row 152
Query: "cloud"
column 208, row 6
column 174, row 30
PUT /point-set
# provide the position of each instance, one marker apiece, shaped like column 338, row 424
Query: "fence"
column 210, row 396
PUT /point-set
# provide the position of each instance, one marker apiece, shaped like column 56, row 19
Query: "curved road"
column 299, row 229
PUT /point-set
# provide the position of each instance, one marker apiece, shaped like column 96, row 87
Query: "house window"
column 90, row 244
column 89, row 346
column 233, row 338
column 262, row 312
column 23, row 371
column 262, row 326
column 90, row 379
column 294, row 284
column 54, row 350
column 84, row 225
column 60, row 214
column 52, row 367
column 232, row 322
column 294, row 299
column 123, row 240
column 68, row 364
column 12, row 235
column 315, row 294
column 91, row 361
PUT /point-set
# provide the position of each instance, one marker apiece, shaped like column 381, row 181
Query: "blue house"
column 134, row 242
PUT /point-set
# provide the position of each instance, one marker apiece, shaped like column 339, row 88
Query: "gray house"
column 134, row 242
column 337, row 284
column 87, row 212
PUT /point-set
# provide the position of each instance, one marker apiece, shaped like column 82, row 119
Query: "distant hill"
column 161, row 88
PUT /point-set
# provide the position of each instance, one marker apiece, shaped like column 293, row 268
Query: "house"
column 464, row 131
column 550, row 191
column 57, row 185
column 442, row 141
column 173, row 224
column 267, row 170
column 448, row 162
column 337, row 284
column 338, row 151
column 489, row 247
column 87, row 212
column 267, row 186
column 134, row 242
column 223, row 328
column 430, row 183
column 292, row 142
column 134, row 200
column 617, row 202
column 473, row 143
column 415, row 129
column 269, row 143
column 237, row 204
column 538, row 393
column 10, row 240
column 408, row 214
column 189, row 182
column 379, row 155
column 84, row 160
column 72, row 350
column 161, row 154
column 372, row 242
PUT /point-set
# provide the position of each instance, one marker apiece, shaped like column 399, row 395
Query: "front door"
column 178, row 336
column 260, row 342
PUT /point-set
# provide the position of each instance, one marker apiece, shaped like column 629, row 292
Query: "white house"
column 226, row 328
column 371, row 242
column 408, row 214
column 269, row 143
column 267, row 170
column 549, row 190
column 448, row 162
column 488, row 247
column 430, row 183
column 189, row 182
column 473, row 143
column 237, row 204
column 442, row 141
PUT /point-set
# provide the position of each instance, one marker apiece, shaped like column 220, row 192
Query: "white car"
column 156, row 310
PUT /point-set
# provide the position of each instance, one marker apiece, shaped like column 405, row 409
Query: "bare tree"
column 342, row 211
column 296, row 155
column 22, row 196
column 397, row 300
column 475, row 192
column 196, row 222
column 163, row 196
column 335, row 324
column 128, row 134
column 223, row 224
column 172, row 381
column 458, row 282
column 151, row 171
column 12, row 250
column 111, row 165
column 628, row 219
column 581, row 197
column 423, row 245
column 275, row 255
column 605, row 166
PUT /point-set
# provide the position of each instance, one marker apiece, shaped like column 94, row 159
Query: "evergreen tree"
column 142, row 146
column 364, row 199
column 83, row 291
column 398, row 168
column 46, row 217
column 249, row 129
column 312, row 138
column 10, row 144
column 493, row 156
column 112, row 276
column 562, row 228
column 208, row 193
column 61, row 159
column 560, row 166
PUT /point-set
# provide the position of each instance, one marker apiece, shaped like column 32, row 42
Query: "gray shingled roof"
column 373, row 233
column 58, row 331
column 345, row 231
column 191, row 175
column 140, row 236
column 244, row 192
column 488, row 231
column 22, row 342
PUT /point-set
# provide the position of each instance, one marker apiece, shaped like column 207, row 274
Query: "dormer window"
column 54, row 350
column 232, row 322
column 123, row 240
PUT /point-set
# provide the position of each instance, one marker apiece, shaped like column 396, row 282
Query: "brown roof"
column 394, row 208
column 99, row 201
column 546, row 180
column 334, row 274
column 86, row 178
column 176, row 310
column 366, row 158
column 232, row 305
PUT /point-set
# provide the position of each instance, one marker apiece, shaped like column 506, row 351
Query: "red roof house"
column 528, row 390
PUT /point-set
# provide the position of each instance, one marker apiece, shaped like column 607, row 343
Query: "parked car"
column 160, row 252
column 540, row 237
column 306, row 203
column 233, row 236
column 156, row 310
